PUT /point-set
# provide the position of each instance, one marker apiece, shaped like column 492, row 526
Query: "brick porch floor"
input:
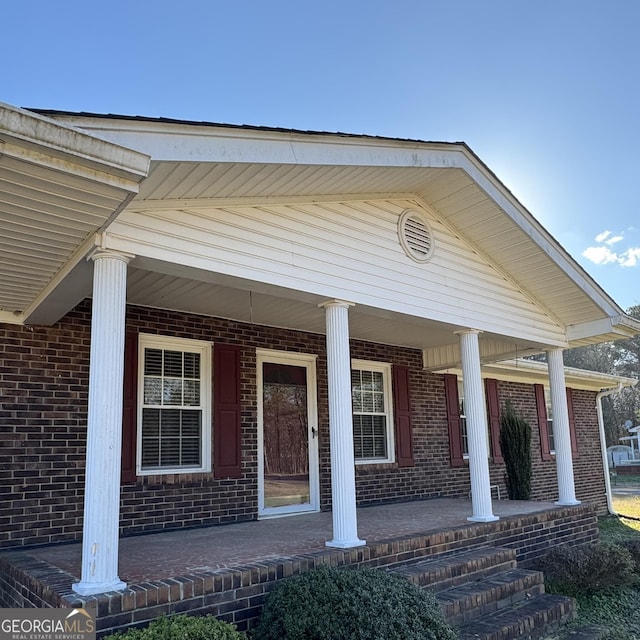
column 227, row 570
column 175, row 553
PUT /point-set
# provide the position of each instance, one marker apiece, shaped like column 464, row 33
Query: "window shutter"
column 453, row 419
column 542, row 422
column 572, row 424
column 402, row 413
column 227, row 453
column 130, row 409
column 493, row 415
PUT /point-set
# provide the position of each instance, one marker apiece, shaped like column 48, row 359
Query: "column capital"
column 336, row 303
column 462, row 332
column 99, row 253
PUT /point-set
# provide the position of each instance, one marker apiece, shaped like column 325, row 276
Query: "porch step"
column 476, row 599
column 442, row 572
column 485, row 595
column 529, row 621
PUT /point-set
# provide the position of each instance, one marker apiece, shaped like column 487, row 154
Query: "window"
column 549, row 407
column 372, row 416
column 457, row 420
column 174, row 423
column 464, row 436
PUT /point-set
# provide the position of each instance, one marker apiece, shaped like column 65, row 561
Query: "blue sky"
column 546, row 92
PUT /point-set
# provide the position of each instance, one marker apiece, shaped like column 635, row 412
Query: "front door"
column 288, row 442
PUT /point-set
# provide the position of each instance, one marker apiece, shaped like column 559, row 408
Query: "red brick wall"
column 43, row 383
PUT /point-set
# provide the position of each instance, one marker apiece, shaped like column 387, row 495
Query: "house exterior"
column 203, row 324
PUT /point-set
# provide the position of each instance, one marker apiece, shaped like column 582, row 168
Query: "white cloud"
column 600, row 255
column 631, row 257
column 601, row 237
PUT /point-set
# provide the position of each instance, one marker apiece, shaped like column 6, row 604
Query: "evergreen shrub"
column 182, row 627
column 515, row 443
column 587, row 569
column 328, row 603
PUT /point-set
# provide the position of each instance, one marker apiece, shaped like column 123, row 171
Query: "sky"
column 545, row 92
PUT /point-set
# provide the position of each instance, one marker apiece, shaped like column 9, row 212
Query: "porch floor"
column 157, row 556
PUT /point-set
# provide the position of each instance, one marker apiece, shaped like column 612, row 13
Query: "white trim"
column 309, row 362
column 385, row 369
column 204, row 348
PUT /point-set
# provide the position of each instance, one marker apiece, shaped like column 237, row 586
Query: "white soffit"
column 58, row 186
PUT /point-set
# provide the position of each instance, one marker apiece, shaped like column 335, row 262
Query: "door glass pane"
column 286, row 435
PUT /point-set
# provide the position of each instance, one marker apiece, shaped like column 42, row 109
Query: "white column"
column 343, row 478
column 561, row 433
column 476, row 428
column 104, row 427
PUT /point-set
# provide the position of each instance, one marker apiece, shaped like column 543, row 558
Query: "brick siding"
column 44, row 386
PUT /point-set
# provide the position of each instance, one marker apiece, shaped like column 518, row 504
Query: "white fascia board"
column 534, row 372
column 621, row 325
column 34, row 132
column 193, row 143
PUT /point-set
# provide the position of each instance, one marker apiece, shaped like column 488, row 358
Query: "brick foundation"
column 237, row 594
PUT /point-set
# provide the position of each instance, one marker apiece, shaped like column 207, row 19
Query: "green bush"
column 515, row 444
column 350, row 604
column 587, row 569
column 633, row 547
column 182, row 627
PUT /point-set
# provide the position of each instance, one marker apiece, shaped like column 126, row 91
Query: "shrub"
column 348, row 604
column 587, row 569
column 515, row 443
column 182, row 627
column 633, row 547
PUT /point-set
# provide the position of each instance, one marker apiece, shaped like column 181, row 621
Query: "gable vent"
column 415, row 236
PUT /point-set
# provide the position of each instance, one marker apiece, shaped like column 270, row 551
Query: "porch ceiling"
column 58, row 186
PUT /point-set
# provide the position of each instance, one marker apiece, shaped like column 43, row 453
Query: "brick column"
column 476, row 428
column 104, row 427
column 561, row 432
column 343, row 480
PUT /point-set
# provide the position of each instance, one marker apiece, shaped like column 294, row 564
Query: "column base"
column 345, row 544
column 490, row 518
column 93, row 588
column 567, row 503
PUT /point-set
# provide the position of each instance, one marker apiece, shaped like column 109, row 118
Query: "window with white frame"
column 464, row 436
column 372, row 412
column 174, row 423
column 549, row 407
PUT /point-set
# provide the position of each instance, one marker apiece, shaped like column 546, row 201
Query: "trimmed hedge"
column 182, row 627
column 328, row 603
column 587, row 568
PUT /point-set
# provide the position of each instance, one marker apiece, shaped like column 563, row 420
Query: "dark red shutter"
column 453, row 419
column 402, row 413
column 227, row 453
column 572, row 424
column 493, row 416
column 542, row 422
column 130, row 408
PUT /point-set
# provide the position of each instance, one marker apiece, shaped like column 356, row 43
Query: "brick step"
column 443, row 572
column 530, row 620
column 494, row 593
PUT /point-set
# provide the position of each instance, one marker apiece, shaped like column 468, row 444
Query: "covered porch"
column 227, row 570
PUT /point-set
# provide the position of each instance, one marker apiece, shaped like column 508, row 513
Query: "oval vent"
column 415, row 236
